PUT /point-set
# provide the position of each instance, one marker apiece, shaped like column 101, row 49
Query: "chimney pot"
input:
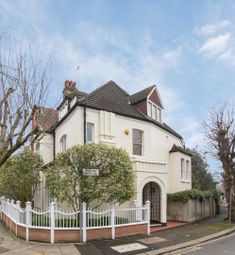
column 66, row 83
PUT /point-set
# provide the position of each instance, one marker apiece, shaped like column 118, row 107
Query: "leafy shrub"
column 184, row 196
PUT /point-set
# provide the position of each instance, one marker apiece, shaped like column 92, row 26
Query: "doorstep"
column 169, row 225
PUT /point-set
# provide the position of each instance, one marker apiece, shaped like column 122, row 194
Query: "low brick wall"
column 39, row 234
column 67, row 235
column 192, row 210
column 131, row 230
column 73, row 235
column 99, row 233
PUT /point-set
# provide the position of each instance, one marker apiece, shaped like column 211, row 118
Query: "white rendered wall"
column 175, row 182
column 156, row 164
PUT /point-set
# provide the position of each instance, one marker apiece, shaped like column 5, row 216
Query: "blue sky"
column 186, row 47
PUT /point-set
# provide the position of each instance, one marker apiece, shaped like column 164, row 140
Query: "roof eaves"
column 176, row 148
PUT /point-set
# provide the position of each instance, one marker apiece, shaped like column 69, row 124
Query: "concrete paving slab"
column 152, row 240
column 129, row 247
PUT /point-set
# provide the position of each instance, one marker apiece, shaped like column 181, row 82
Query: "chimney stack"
column 69, row 88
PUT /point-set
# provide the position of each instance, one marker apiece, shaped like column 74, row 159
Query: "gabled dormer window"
column 63, row 110
column 154, row 111
column 73, row 101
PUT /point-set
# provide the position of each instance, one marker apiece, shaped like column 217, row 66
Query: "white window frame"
column 37, row 146
column 89, row 124
column 63, row 143
column 73, row 101
column 187, row 170
column 182, row 169
column 154, row 114
column 142, row 142
column 63, row 110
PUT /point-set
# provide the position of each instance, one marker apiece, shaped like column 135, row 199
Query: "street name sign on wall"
column 91, row 171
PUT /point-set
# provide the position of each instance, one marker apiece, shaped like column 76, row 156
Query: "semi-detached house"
column 111, row 116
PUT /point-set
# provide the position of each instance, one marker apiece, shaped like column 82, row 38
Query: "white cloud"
column 216, row 45
column 172, row 57
column 212, row 28
column 227, row 57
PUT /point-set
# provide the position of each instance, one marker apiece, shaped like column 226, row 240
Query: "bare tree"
column 23, row 88
column 220, row 131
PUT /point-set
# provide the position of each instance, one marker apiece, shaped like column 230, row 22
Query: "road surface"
column 225, row 245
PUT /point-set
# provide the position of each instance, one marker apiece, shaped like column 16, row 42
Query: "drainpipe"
column 53, row 134
column 84, row 118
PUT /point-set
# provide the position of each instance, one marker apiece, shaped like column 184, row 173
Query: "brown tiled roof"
column 110, row 97
column 48, row 118
column 176, row 148
column 141, row 95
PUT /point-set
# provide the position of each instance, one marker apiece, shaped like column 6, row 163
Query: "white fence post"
column 135, row 206
column 113, row 220
column 1, row 200
column 12, row 210
column 2, row 206
column 84, row 234
column 148, row 215
column 17, row 215
column 18, row 211
column 8, row 207
column 52, row 210
column 28, row 219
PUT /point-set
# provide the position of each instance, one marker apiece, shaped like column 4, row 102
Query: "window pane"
column 187, row 169
column 137, row 136
column 149, row 109
column 158, row 115
column 63, row 143
column 154, row 115
column 137, row 149
column 182, row 168
column 90, row 132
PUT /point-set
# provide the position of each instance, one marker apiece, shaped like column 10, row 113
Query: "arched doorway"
column 152, row 192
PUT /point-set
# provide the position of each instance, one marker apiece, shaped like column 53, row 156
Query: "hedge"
column 184, row 196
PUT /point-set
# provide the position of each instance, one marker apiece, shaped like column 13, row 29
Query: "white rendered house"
column 109, row 115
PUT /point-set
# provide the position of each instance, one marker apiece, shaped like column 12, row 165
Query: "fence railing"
column 54, row 219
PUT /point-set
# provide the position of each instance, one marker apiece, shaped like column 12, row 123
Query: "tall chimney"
column 69, row 88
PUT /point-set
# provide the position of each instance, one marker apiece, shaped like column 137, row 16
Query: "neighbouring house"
column 111, row 116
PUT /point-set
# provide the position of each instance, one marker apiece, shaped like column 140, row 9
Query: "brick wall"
column 67, row 235
column 71, row 235
column 42, row 235
column 131, row 230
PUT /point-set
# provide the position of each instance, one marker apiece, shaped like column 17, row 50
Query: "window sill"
column 137, row 156
column 185, row 181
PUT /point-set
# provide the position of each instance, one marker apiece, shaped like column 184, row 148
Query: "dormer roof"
column 141, row 95
column 150, row 93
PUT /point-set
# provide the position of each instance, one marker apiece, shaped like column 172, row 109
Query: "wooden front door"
column 152, row 193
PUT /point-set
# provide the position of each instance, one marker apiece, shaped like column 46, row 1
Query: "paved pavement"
column 224, row 245
column 158, row 240
column 10, row 245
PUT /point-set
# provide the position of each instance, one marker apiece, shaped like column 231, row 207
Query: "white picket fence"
column 55, row 219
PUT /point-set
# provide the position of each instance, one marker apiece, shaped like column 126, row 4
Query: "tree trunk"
column 233, row 212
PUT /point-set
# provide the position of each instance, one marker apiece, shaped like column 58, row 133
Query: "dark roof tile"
column 111, row 97
column 176, row 148
column 141, row 95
